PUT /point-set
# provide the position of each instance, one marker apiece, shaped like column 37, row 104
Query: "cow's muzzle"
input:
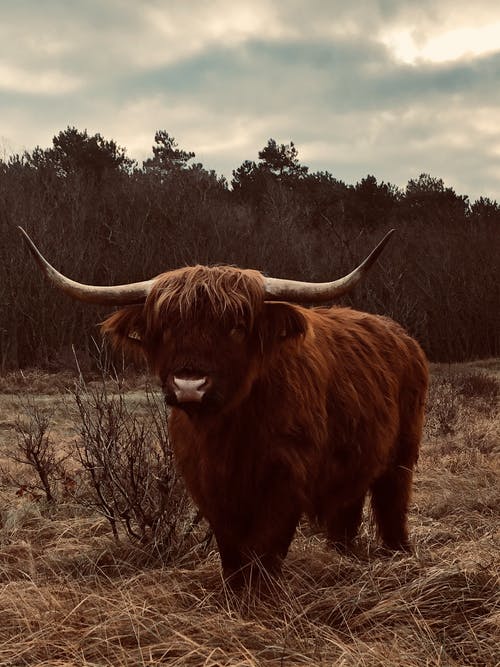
column 190, row 389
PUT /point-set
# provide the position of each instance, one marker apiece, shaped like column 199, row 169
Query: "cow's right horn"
column 278, row 289
column 114, row 295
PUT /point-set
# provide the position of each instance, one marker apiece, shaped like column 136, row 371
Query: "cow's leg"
column 255, row 539
column 276, row 514
column 342, row 523
column 232, row 559
column 261, row 552
column 390, row 500
column 272, row 538
column 391, row 492
column 261, row 549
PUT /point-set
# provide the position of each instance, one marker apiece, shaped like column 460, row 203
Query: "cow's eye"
column 238, row 333
column 135, row 335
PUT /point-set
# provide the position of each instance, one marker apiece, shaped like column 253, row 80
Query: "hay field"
column 72, row 594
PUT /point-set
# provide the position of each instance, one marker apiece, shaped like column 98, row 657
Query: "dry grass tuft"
column 71, row 594
column 34, row 381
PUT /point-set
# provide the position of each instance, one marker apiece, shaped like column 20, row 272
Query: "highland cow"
column 277, row 410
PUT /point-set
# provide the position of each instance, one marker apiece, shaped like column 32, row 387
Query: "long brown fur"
column 325, row 406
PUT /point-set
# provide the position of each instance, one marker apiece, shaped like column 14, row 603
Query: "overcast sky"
column 391, row 88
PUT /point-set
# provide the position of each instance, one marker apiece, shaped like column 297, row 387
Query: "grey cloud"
column 318, row 75
column 344, row 77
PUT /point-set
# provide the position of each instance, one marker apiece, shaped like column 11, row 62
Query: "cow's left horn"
column 278, row 289
column 114, row 295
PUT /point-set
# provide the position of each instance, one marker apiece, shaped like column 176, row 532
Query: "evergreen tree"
column 167, row 156
column 282, row 161
column 427, row 199
column 278, row 163
column 74, row 151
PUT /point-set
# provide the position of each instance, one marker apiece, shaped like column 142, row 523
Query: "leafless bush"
column 477, row 384
column 129, row 476
column 459, row 414
column 442, row 407
column 34, row 449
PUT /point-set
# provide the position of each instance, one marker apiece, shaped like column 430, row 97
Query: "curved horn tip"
column 32, row 248
column 27, row 238
column 388, row 235
column 23, row 232
column 373, row 256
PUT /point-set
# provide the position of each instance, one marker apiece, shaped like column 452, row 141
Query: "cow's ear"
column 126, row 328
column 282, row 321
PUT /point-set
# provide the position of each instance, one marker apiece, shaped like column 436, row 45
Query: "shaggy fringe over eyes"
column 225, row 292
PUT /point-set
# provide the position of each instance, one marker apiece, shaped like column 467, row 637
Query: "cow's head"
column 206, row 330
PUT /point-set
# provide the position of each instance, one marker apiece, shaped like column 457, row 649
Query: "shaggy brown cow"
column 277, row 410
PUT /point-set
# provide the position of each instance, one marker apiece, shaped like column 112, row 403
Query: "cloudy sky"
column 392, row 88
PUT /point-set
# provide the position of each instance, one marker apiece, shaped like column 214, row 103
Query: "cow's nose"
column 190, row 390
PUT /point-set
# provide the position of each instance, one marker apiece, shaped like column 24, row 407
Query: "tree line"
column 102, row 218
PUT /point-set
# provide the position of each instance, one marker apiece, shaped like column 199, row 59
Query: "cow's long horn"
column 278, row 289
column 111, row 296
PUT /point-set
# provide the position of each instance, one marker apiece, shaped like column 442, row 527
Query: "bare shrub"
column 478, row 384
column 35, row 449
column 442, row 407
column 457, row 399
column 129, row 476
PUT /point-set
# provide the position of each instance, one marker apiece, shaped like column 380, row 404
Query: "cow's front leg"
column 232, row 561
column 259, row 556
column 276, row 515
column 254, row 534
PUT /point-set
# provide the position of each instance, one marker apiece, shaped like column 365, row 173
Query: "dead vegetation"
column 77, row 590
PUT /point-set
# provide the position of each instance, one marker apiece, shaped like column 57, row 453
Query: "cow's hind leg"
column 391, row 492
column 390, row 500
column 343, row 523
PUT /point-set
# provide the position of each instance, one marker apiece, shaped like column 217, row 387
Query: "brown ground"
column 71, row 595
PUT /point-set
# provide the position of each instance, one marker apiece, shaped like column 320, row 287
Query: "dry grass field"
column 73, row 594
